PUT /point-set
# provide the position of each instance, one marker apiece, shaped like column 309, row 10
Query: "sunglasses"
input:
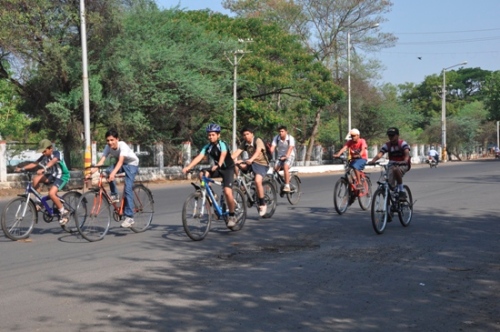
column 391, row 135
column 354, row 135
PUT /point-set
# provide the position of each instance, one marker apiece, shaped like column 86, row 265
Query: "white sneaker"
column 127, row 222
column 115, row 198
column 231, row 221
column 286, row 188
column 262, row 210
column 64, row 217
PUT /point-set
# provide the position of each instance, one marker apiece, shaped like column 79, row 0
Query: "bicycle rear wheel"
column 93, row 216
column 18, row 218
column 196, row 217
column 341, row 195
column 270, row 197
column 70, row 201
column 379, row 211
column 365, row 195
column 405, row 211
column 143, row 208
column 240, row 210
column 294, row 195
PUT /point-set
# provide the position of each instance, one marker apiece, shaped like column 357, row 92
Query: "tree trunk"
column 313, row 136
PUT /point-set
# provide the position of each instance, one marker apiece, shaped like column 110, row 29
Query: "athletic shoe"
column 262, row 210
column 286, row 188
column 127, row 223
column 231, row 221
column 64, row 217
column 402, row 196
column 115, row 198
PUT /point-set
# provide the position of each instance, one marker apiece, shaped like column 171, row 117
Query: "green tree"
column 492, row 95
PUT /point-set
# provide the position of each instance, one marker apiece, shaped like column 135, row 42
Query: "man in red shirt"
column 358, row 154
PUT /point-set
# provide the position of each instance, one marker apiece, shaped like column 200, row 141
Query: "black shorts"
column 227, row 176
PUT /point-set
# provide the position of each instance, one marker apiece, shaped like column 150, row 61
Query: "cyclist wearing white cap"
column 358, row 154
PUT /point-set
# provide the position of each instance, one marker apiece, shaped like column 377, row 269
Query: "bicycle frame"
column 246, row 179
column 41, row 199
column 205, row 190
column 276, row 175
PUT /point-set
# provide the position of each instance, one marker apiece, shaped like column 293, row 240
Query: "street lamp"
column 349, row 72
column 443, row 112
column 235, row 63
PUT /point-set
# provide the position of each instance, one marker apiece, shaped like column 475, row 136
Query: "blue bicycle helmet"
column 213, row 127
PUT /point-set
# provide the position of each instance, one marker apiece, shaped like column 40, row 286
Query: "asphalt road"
column 305, row 269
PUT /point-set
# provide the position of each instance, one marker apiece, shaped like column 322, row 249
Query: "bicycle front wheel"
column 270, row 197
column 70, row 201
column 240, row 210
column 380, row 211
column 365, row 195
column 405, row 211
column 196, row 217
column 341, row 195
column 18, row 218
column 294, row 195
column 93, row 216
column 143, row 208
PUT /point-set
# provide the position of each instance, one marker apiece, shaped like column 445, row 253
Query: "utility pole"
column 237, row 56
column 85, row 78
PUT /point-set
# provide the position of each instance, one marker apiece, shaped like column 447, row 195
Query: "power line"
column 454, row 41
column 443, row 32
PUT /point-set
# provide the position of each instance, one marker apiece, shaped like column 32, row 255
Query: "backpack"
column 400, row 145
column 267, row 151
column 269, row 144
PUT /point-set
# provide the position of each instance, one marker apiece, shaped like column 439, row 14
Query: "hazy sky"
column 442, row 33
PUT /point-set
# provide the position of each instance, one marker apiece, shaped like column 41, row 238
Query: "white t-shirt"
column 433, row 153
column 124, row 150
column 282, row 145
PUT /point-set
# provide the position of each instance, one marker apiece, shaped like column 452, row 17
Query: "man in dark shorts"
column 220, row 153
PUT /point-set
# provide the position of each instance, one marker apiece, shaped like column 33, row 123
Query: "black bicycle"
column 20, row 214
column 245, row 181
column 386, row 202
column 278, row 180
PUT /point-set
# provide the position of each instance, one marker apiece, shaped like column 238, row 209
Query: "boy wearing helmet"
column 219, row 152
column 399, row 159
column 358, row 154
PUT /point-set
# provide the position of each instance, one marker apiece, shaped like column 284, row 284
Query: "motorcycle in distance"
column 432, row 162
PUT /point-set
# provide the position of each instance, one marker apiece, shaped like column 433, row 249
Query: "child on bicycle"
column 128, row 162
column 220, row 153
column 399, row 158
column 358, row 154
column 284, row 144
column 54, row 172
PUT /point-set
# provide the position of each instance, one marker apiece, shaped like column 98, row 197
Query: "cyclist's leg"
column 286, row 168
column 227, row 183
column 260, row 172
column 112, row 185
column 130, row 172
column 54, row 188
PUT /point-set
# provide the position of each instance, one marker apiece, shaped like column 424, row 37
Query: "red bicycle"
column 346, row 190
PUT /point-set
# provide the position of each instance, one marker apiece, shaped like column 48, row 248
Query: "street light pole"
column 235, row 63
column 349, row 81
column 85, row 83
column 444, row 154
column 349, row 73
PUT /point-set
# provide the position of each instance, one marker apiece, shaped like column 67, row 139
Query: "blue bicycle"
column 197, row 210
column 20, row 214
